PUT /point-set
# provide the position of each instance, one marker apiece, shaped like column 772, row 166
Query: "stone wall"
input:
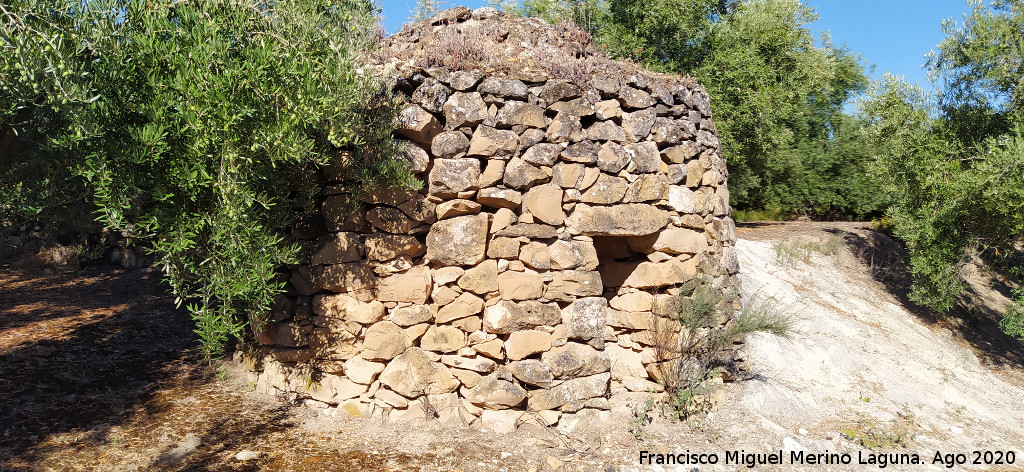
column 538, row 269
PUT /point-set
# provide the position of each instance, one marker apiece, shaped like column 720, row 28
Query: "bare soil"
column 98, row 371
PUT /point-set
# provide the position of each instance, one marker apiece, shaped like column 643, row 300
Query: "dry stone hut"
column 568, row 200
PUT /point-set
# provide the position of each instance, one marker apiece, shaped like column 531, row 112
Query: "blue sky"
column 892, row 35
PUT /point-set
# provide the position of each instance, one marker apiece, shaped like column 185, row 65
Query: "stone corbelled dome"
column 571, row 202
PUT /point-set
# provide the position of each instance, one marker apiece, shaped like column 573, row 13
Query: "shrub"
column 198, row 127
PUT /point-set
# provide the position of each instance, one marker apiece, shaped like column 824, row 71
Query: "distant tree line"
column 945, row 170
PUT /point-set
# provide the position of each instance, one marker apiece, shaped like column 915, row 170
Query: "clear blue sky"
column 892, row 35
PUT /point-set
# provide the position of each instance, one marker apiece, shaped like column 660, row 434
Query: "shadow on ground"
column 976, row 317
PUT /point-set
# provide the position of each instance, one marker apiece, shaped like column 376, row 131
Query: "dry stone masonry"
column 539, row 267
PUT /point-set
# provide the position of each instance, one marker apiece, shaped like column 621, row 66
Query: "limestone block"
column 431, row 95
column 482, row 278
column 520, row 285
column 412, row 374
column 506, row 317
column 346, row 277
column 632, row 219
column 556, row 90
column 645, row 155
column 448, row 177
column 384, row 246
column 417, row 124
column 535, row 255
column 458, row 241
column 449, row 144
column 383, row 341
column 638, row 124
column 412, row 315
column 464, row 109
column 502, row 87
column 492, row 173
column 338, row 248
column 411, row 286
column 491, row 142
column 464, row 305
column 531, row 372
column 585, row 319
column 522, row 344
column 565, row 128
column 568, row 392
column 572, row 254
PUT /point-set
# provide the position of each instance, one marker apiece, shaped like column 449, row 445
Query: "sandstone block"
column 500, row 198
column 362, row 371
column 449, row 144
column 685, row 151
column 346, row 277
column 605, row 131
column 584, row 152
column 645, row 155
column 390, row 220
column 535, row 255
column 347, row 308
column 671, row 240
column 516, row 113
column 475, row 364
column 556, row 90
column 492, row 174
column 332, row 344
column 520, row 174
column 504, row 88
column 565, row 128
column 607, row 109
column 632, row 301
column 630, row 97
column 496, row 393
column 637, row 125
column 457, row 207
column 415, row 158
column 612, row 158
column 464, row 80
column 544, row 154
column 383, row 341
column 492, row 349
column 666, row 132
column 647, row 188
column 431, row 95
column 545, row 203
column 681, row 199
column 572, row 254
column 419, row 209
column 503, row 248
column 528, row 230
column 576, row 360
column 568, row 285
column 606, row 190
column 567, row 175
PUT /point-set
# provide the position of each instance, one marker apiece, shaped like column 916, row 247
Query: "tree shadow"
column 78, row 349
column 974, row 320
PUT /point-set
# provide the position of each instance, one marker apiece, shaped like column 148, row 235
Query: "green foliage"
column 777, row 96
column 1013, row 320
column 688, row 380
column 959, row 182
column 199, row 126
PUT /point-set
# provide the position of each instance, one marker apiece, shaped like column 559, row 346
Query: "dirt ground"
column 98, row 371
